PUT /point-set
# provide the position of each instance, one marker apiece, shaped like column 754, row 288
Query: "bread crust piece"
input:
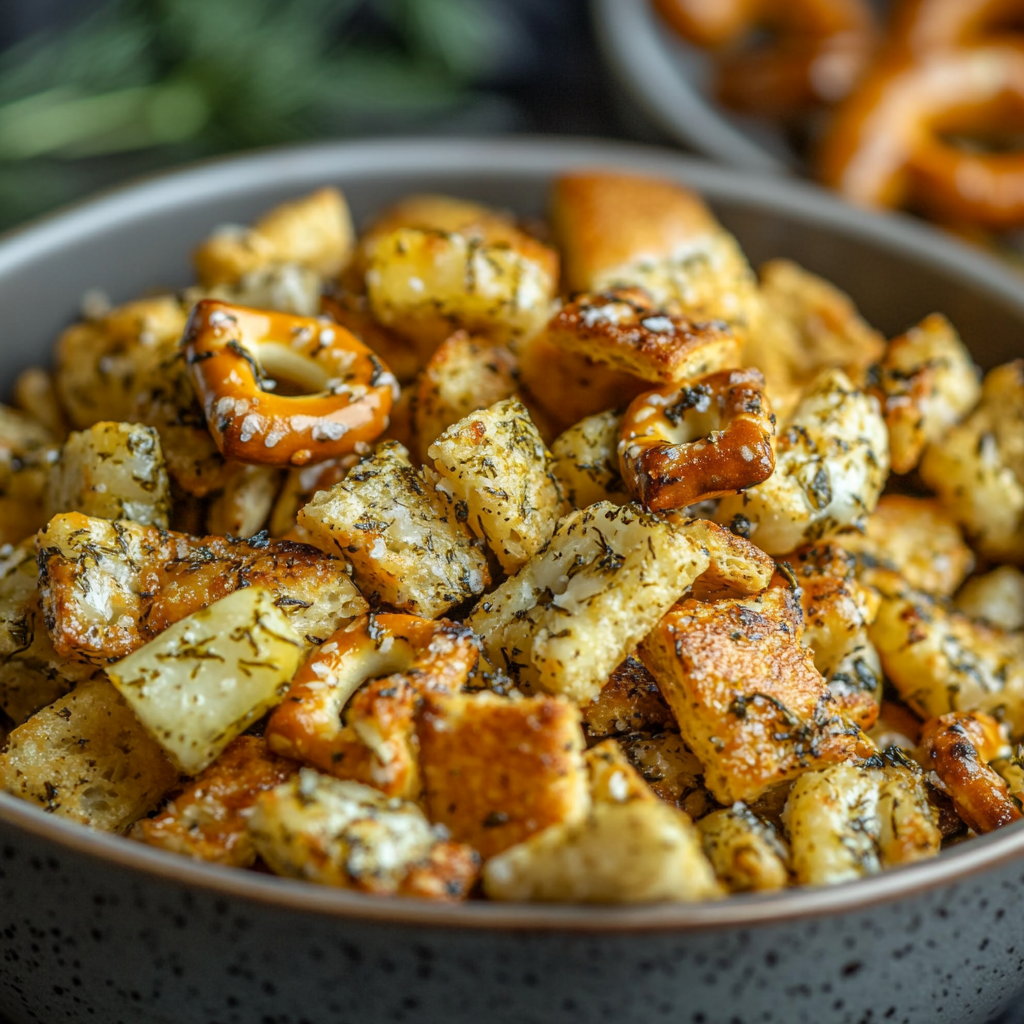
column 206, row 819
column 586, row 460
column 623, row 328
column 86, row 757
column 747, row 853
column 749, row 701
column 497, row 770
column 406, row 544
column 108, row 588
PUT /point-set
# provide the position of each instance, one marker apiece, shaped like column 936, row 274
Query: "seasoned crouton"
column 977, row 469
column 424, row 283
column 618, row 230
column 27, row 449
column 582, row 603
column 207, row 818
column 997, row 597
column 837, row 613
column 211, row 675
column 586, row 460
column 87, row 757
column 314, row 231
column 625, row 329
column 463, row 375
column 639, row 851
column 825, row 327
column 108, row 588
column 300, row 484
column 940, row 660
column 747, row 853
column 348, row 835
column 671, row 769
column 112, row 471
column 32, row 674
column 497, row 770
column 496, row 473
column 897, row 726
column 35, row 394
column 243, row 505
column 406, row 545
column 915, row 536
column 926, row 383
column 735, row 565
column 629, row 702
column 285, row 287
column 831, row 462
column 749, row 701
column 852, row 820
column 613, row 779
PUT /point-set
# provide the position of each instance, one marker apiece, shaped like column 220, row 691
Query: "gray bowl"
column 95, row 928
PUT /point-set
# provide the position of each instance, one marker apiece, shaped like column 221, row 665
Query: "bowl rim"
column 639, row 48
column 539, row 157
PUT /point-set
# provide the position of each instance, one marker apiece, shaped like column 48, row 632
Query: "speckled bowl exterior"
column 95, row 928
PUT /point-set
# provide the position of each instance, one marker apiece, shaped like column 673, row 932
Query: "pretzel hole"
column 286, row 372
column 692, row 414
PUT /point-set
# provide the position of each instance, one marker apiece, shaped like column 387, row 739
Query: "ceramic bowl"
column 96, row 928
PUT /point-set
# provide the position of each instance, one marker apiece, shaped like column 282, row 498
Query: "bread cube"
column 748, row 699
column 586, row 460
column 407, row 545
column 625, row 329
column 35, row 394
column 463, row 375
column 580, row 605
column 997, row 597
column 32, row 674
column 112, row 471
column 27, row 450
column 108, row 588
column 285, row 287
column 613, row 779
column 208, row 677
column 496, row 472
column 243, row 506
column 671, row 769
column 629, row 702
column 87, row 757
column 344, row 834
column 423, row 283
column 497, row 770
column 207, row 818
column 854, row 819
column 314, row 231
column 747, row 853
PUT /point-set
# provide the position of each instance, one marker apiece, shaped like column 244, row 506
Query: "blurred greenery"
column 146, row 83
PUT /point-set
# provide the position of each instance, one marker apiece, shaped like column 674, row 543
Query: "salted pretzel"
column 706, row 439
column 958, row 747
column 887, row 145
column 817, row 51
column 415, row 655
column 921, row 27
column 236, row 356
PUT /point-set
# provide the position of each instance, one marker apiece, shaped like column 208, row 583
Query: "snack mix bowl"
column 96, row 928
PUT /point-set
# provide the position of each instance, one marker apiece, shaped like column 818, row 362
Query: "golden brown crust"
column 496, row 771
column 629, row 702
column 747, row 696
column 206, row 819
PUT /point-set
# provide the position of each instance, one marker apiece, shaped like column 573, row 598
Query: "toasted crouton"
column 749, row 701
column 344, row 834
column 580, row 605
column 211, row 675
column 463, row 375
column 850, row 820
column 496, row 770
column 624, row 329
column 586, row 460
column 671, row 769
column 35, row 394
column 620, row 230
column 997, row 598
column 915, row 536
column 613, row 779
column 746, row 851
column 407, row 546
column 108, row 588
column 87, row 757
column 243, row 505
column 112, row 471
column 629, row 702
column 314, row 231
column 496, row 472
column 926, row 383
column 207, row 819
column 32, row 674
column 27, row 449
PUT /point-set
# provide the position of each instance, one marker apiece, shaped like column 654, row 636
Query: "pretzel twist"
column 706, row 439
column 958, row 747
column 415, row 655
column 230, row 350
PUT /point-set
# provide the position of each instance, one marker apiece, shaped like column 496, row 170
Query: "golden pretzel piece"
column 238, row 356
column 415, row 655
column 706, row 439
